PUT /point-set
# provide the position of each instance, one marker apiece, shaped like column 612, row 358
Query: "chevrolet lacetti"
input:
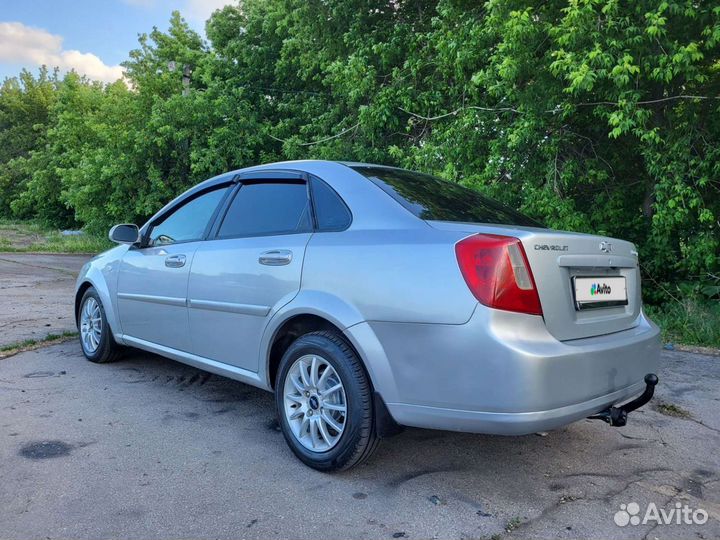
column 368, row 298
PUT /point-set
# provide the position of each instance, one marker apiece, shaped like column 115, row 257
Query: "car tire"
column 356, row 440
column 96, row 339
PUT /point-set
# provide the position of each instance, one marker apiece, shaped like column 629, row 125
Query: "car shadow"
column 413, row 453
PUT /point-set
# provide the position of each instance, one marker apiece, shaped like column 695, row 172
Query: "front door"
column 249, row 270
column 153, row 280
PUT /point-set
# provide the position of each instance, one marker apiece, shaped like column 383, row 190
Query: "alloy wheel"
column 90, row 325
column 315, row 403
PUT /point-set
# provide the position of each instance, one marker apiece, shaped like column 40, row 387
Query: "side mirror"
column 125, row 233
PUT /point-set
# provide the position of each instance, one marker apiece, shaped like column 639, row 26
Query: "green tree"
column 591, row 115
column 25, row 102
column 67, row 140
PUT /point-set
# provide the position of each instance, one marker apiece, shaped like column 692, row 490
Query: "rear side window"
column 260, row 209
column 330, row 211
column 431, row 198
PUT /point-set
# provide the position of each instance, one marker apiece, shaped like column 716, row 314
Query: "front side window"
column 187, row 223
column 260, row 209
column 431, row 198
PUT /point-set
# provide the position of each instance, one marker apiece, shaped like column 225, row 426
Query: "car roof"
column 318, row 167
column 311, row 166
column 300, row 163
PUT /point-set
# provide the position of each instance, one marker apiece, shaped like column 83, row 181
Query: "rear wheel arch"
column 293, row 328
column 300, row 324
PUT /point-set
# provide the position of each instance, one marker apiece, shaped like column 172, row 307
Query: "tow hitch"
column 617, row 416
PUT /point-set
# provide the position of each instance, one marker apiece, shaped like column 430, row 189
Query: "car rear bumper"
column 505, row 423
column 502, row 372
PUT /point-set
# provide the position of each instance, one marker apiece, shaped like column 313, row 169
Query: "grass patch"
column 19, row 345
column 513, row 524
column 30, row 344
column 690, row 321
column 670, row 409
column 28, row 236
column 57, row 243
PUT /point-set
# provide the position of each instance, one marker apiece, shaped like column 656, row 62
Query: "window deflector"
column 158, row 220
column 264, row 176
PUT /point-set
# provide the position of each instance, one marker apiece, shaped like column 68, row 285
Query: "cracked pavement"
column 150, row 448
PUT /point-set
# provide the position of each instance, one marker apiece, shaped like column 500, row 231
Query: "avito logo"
column 596, row 288
column 630, row 514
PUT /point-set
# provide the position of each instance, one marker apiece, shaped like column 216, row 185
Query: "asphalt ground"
column 36, row 295
column 148, row 448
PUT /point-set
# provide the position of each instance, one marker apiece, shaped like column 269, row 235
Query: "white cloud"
column 20, row 44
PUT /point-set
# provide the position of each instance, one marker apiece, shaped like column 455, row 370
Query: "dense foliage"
column 591, row 115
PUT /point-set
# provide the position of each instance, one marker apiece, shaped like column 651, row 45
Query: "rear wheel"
column 96, row 338
column 324, row 403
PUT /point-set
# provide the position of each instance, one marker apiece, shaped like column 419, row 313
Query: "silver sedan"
column 370, row 298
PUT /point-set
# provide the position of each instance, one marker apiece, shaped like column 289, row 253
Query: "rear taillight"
column 497, row 272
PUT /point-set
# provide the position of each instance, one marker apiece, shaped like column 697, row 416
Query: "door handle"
column 276, row 257
column 175, row 261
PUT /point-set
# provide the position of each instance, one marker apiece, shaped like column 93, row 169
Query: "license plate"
column 599, row 292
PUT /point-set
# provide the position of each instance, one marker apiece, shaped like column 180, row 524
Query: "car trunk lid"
column 579, row 278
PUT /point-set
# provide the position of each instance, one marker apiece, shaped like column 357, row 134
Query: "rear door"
column 153, row 280
column 250, row 268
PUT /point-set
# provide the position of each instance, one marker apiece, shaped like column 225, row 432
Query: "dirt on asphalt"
column 36, row 295
column 150, row 448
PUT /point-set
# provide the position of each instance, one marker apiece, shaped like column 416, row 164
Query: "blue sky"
column 90, row 36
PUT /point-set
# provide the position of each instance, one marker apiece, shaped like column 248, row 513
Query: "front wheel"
column 324, row 403
column 96, row 338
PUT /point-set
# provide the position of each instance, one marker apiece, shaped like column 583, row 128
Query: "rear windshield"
column 431, row 198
